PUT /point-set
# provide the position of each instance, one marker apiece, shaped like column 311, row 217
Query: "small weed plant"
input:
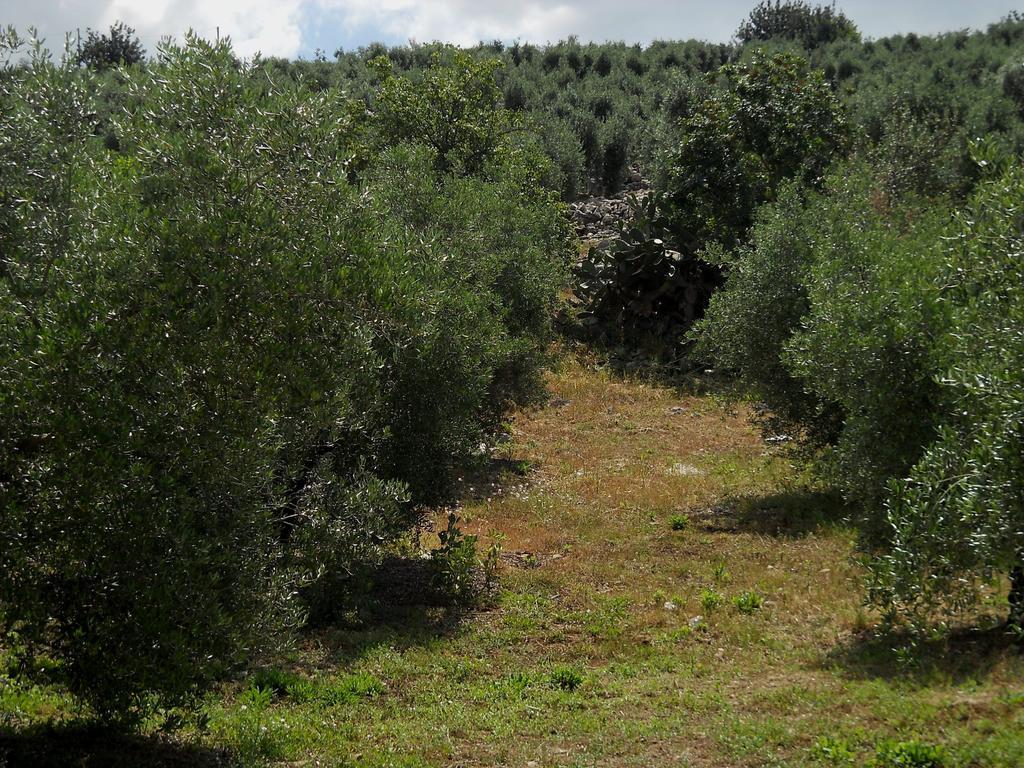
column 566, row 678
column 908, row 754
column 748, row 603
column 710, row 600
column 834, row 751
column 456, row 567
column 721, row 573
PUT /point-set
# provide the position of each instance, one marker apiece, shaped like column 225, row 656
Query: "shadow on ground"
column 791, row 514
column 402, row 609
column 400, row 628
column 83, row 747
column 490, row 476
column 652, row 361
column 962, row 655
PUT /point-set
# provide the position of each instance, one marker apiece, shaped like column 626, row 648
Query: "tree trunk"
column 1016, row 618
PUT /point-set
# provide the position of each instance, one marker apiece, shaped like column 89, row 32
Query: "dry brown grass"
column 612, row 460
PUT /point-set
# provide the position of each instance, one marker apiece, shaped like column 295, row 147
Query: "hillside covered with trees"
column 278, row 338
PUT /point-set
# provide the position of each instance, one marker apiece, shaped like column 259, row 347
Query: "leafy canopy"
column 774, row 119
column 809, row 25
column 454, row 109
column 118, row 47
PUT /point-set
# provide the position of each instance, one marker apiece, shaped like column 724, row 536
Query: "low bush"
column 457, row 570
column 639, row 288
column 710, row 600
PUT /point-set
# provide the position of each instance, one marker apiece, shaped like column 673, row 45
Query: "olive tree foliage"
column 453, row 109
column 774, row 119
column 752, row 317
column 137, row 487
column 827, row 318
column 957, row 518
column 886, row 332
column 615, row 98
column 485, row 238
column 116, row 48
column 228, row 373
column 810, row 25
column 868, row 340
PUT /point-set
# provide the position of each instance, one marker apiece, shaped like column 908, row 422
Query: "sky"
column 297, row 28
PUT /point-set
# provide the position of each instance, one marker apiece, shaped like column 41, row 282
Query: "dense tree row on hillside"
column 253, row 315
column 601, row 107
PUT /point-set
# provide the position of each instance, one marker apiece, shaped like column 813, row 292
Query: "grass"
column 616, row 640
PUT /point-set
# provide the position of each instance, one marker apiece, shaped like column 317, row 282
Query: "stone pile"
column 598, row 218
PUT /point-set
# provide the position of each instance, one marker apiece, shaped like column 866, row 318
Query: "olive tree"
column 957, row 518
column 810, row 25
column 773, row 119
column 238, row 353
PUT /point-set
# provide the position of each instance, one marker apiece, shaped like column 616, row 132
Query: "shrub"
column 456, row 572
column 453, row 110
column 753, row 316
column 919, row 155
column 1013, row 84
column 484, row 257
column 567, row 161
column 828, row 318
column 615, row 149
column 895, row 335
column 641, row 286
column 866, row 344
column 139, row 451
column 775, row 120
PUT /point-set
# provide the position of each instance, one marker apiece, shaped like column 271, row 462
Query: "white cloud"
column 270, row 26
column 464, row 21
column 275, row 27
